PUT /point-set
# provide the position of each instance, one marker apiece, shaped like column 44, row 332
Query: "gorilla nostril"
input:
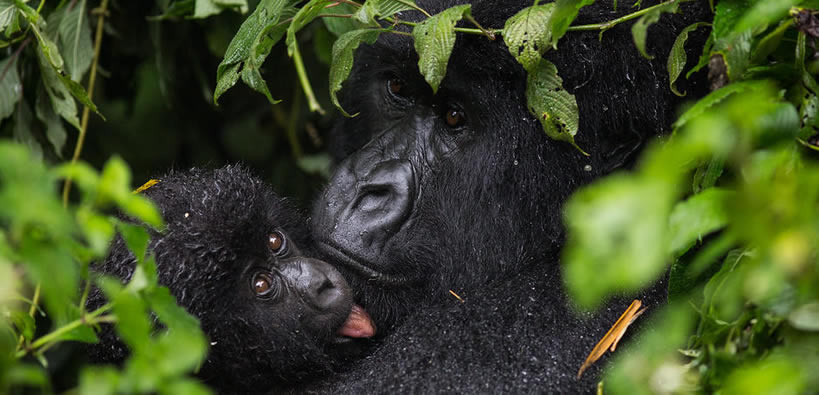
column 326, row 285
column 373, row 197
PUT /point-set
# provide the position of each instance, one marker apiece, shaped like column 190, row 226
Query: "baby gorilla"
column 234, row 255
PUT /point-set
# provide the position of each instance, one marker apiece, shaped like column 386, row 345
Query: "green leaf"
column 617, row 236
column 373, row 9
column 114, row 181
column 343, row 50
column 184, row 386
column 773, row 374
column 735, row 52
column 527, row 34
column 640, row 28
column 8, row 12
column 98, row 230
column 805, row 317
column 75, row 40
column 206, row 8
column 339, row 26
column 304, row 16
column 266, row 15
column 551, row 104
column 564, row 13
column 763, row 13
column 83, row 175
column 142, row 208
column 79, row 93
column 434, row 40
column 135, row 237
column 55, row 131
column 677, row 58
column 10, row 88
column 696, row 217
column 99, row 380
column 259, row 50
column 133, row 324
column 61, row 100
column 183, row 346
column 706, row 175
column 713, row 99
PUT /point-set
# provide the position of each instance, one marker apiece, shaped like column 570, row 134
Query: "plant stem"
column 596, row 26
column 305, row 83
column 33, row 309
column 102, row 10
column 90, row 319
column 610, row 24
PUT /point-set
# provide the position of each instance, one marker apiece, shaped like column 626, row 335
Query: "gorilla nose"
column 382, row 202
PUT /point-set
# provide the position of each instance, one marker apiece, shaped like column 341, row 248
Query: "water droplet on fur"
column 515, row 162
column 587, row 168
column 605, row 107
column 187, row 215
column 213, row 343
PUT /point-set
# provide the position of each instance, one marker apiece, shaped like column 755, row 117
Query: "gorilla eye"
column 396, row 87
column 262, row 284
column 277, row 243
column 455, row 117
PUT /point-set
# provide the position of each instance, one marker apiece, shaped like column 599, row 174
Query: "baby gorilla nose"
column 320, row 285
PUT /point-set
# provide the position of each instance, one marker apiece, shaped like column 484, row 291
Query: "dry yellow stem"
column 612, row 337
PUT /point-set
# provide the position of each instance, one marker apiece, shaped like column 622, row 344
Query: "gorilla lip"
column 344, row 258
column 358, row 324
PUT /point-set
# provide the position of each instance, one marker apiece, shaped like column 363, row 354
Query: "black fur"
column 486, row 216
column 218, row 223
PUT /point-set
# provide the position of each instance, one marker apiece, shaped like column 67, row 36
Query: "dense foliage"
column 728, row 202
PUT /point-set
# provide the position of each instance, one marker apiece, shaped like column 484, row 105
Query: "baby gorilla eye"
column 277, row 243
column 454, row 117
column 396, row 87
column 262, row 284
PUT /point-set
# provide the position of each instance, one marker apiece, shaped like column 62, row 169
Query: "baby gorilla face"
column 236, row 256
column 295, row 285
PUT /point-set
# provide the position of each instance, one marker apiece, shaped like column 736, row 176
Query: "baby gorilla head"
column 236, row 256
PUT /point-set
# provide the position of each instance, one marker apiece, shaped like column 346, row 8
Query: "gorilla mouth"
column 350, row 261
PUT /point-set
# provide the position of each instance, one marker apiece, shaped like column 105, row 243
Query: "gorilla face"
column 449, row 191
column 231, row 257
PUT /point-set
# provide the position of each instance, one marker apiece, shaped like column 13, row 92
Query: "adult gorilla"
column 462, row 191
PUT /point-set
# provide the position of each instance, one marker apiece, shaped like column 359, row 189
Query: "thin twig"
column 92, row 76
column 89, row 319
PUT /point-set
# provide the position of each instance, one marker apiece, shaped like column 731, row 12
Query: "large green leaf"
column 617, row 236
column 554, row 107
column 527, row 34
column 263, row 19
column 343, row 50
column 206, row 8
column 373, row 9
column 75, row 40
column 434, row 40
column 696, row 217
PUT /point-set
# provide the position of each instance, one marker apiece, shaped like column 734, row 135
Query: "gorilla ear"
column 621, row 150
